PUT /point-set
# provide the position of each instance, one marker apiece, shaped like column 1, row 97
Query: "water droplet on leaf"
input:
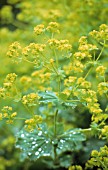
column 39, row 149
column 22, row 135
column 40, row 133
column 37, row 153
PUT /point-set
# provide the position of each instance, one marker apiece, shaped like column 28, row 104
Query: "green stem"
column 55, row 135
column 103, row 164
column 48, row 68
column 54, row 69
column 88, row 73
column 30, row 111
column 55, row 123
column 101, row 51
column 19, row 118
column 55, row 57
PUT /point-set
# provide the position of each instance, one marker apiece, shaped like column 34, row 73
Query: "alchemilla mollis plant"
column 60, row 81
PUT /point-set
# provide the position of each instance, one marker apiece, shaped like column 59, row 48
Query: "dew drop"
column 33, row 147
column 31, row 138
column 46, row 154
column 29, row 153
column 33, row 142
column 39, row 149
column 74, row 132
column 18, row 146
column 22, row 135
column 62, row 141
column 60, row 147
column 46, row 141
column 40, row 133
column 37, row 153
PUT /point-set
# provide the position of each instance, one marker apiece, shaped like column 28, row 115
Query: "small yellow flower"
column 5, row 115
column 31, row 123
column 30, row 99
column 39, row 29
column 13, row 114
column 103, row 88
column 100, row 70
column 9, row 121
column 51, row 60
column 80, row 80
column 53, row 27
column 94, row 153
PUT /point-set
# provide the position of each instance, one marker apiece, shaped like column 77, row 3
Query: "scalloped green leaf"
column 34, row 144
column 71, row 140
column 41, row 143
column 47, row 97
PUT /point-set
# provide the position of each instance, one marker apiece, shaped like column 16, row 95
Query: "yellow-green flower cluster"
column 89, row 96
column 39, row 29
column 15, row 51
column 70, row 81
column 31, row 123
column 53, row 42
column 30, row 99
column 8, row 86
column 8, row 114
column 2, row 92
column 83, row 83
column 75, row 167
column 84, row 49
column 103, row 88
column 100, row 118
column 104, row 132
column 9, row 80
column 62, row 45
column 102, row 34
column 53, row 27
column 98, row 159
column 34, row 49
column 100, row 71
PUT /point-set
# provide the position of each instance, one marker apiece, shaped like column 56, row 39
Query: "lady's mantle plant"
column 62, row 80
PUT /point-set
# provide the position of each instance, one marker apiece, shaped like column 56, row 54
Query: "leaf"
column 71, row 104
column 47, row 97
column 41, row 143
column 34, row 144
column 65, row 160
column 71, row 140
